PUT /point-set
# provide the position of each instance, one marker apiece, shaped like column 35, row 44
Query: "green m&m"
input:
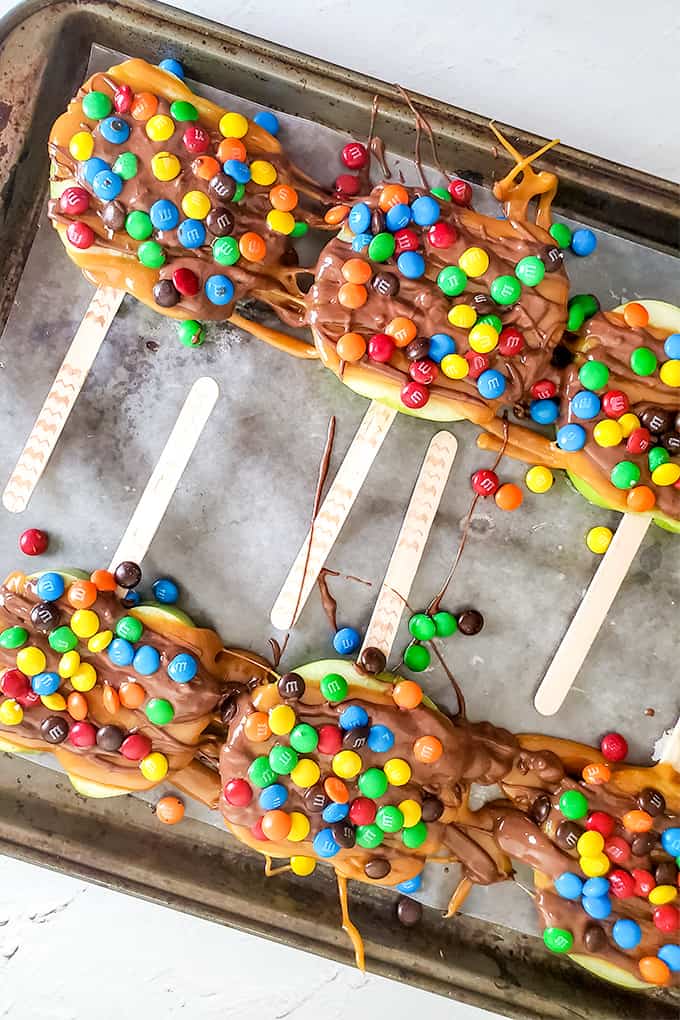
column 126, row 166
column 505, row 290
column 299, row 230
column 282, row 760
column 561, row 234
column 96, row 105
column 422, row 627
column 182, row 111
column 452, row 280
column 558, row 940
column 643, row 361
column 594, row 375
column 373, row 783
column 381, row 247
column 261, row 773
column 151, row 255
column 414, row 836
column 333, row 687
column 492, row 320
column 625, row 475
column 530, row 270
column 445, row 624
column 304, row 738
column 62, row 640
column 129, row 628
column 573, row 805
column 13, row 637
column 239, row 192
column 159, row 711
column 369, row 836
column 389, row 819
column 657, row 456
column 225, row 250
column 441, row 193
column 138, row 225
column 417, row 658
column 191, row 333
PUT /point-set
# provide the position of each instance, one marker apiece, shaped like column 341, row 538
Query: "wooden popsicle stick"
column 333, row 513
column 61, row 399
column 591, row 614
column 165, row 477
column 410, row 545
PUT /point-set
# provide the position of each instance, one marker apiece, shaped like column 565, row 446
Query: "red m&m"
column 460, row 192
column 238, row 792
column 414, row 395
column 442, row 235
column 478, row 363
column 600, row 821
column 80, row 235
column 639, row 441
column 186, row 282
column 617, row 850
column 82, row 734
column 423, row 371
column 614, row 747
column 196, row 139
column 380, row 347
column 615, row 403
column 484, row 482
column 362, row 811
column 330, row 739
column 354, row 155
column 74, row 201
column 135, row 746
column 14, row 684
column 510, row 341
column 405, row 240
column 122, row 99
column 644, row 882
column 544, row 389
column 621, row 884
column 33, row 542
column 347, row 185
column 666, row 918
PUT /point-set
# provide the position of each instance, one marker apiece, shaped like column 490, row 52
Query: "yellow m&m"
column 196, row 205
column 347, row 764
column 299, row 827
column 669, row 373
column 483, row 338
column 159, row 127
column 302, row 866
column 84, row 678
column 590, row 844
column 99, row 642
column 454, row 366
column 474, row 262
column 594, row 867
column 233, row 125
column 305, row 773
column 398, row 771
column 666, row 474
column 165, row 166
column 463, row 316
column 31, row 660
column 55, row 702
column 539, row 479
column 411, row 811
column 262, row 172
column 68, row 664
column 154, row 767
column 661, row 894
column 280, row 222
column 628, row 422
column 11, row 712
column 608, row 433
column 281, row 719
column 81, row 145
column 598, row 539
column 84, row 623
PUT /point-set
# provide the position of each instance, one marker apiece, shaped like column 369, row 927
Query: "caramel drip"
column 348, row 926
column 516, row 195
column 270, row 871
column 276, row 338
column 460, row 894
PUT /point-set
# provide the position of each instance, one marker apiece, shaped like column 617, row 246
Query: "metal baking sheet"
column 244, row 505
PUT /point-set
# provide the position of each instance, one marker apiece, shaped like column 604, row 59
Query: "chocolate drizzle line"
column 330, row 604
column 422, row 123
column 435, row 604
column 419, row 130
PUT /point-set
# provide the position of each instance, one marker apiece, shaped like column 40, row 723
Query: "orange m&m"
column 276, row 824
column 654, row 970
column 392, row 194
column 144, row 105
column 256, row 727
column 110, row 699
column 351, row 347
column 283, row 197
column 169, row 810
column 82, row 594
column 356, row 271
column 205, row 167
column 635, row 314
column 427, row 750
column 407, row 694
column 640, row 499
column 597, row 773
column 252, row 246
column 232, row 148
column 509, row 497
column 77, row 706
column 131, row 694
column 336, row 790
column 336, row 214
column 637, row 821
column 402, row 330
column 352, row 295
column 103, row 580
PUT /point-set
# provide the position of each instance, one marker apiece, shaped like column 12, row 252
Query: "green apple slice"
column 314, row 672
column 90, row 788
column 607, row 971
column 155, row 615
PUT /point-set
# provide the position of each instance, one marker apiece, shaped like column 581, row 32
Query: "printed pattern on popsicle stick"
column 333, row 513
column 62, row 396
column 410, row 544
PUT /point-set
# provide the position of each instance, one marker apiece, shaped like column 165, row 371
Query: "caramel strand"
column 348, row 926
column 460, row 894
column 270, row 872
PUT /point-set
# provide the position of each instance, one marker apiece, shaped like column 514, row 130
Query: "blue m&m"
column 583, row 242
column 268, row 121
column 380, row 739
column 595, row 887
column 627, row 933
column 361, row 241
column 411, row 885
column 238, row 170
column 672, row 347
column 670, row 841
column 273, row 797
column 219, row 289
column 568, row 885
column 425, row 211
column 45, row 683
column 91, row 167
column 353, row 716
column 491, row 384
column 398, row 217
column 114, row 130
column 165, row 590
column 121, row 652
column 585, row 405
column 164, row 214
column 441, row 344
column 146, row 660
column 182, row 668
column 359, row 219
column 598, row 907
column 346, row 640
column 132, row 598
column 411, row 264
column 191, row 233
column 50, row 586
column 324, row 844
column 571, row 437
column 173, row 67
column 107, row 185
column 543, row 412
column 335, row 812
column 670, row 954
